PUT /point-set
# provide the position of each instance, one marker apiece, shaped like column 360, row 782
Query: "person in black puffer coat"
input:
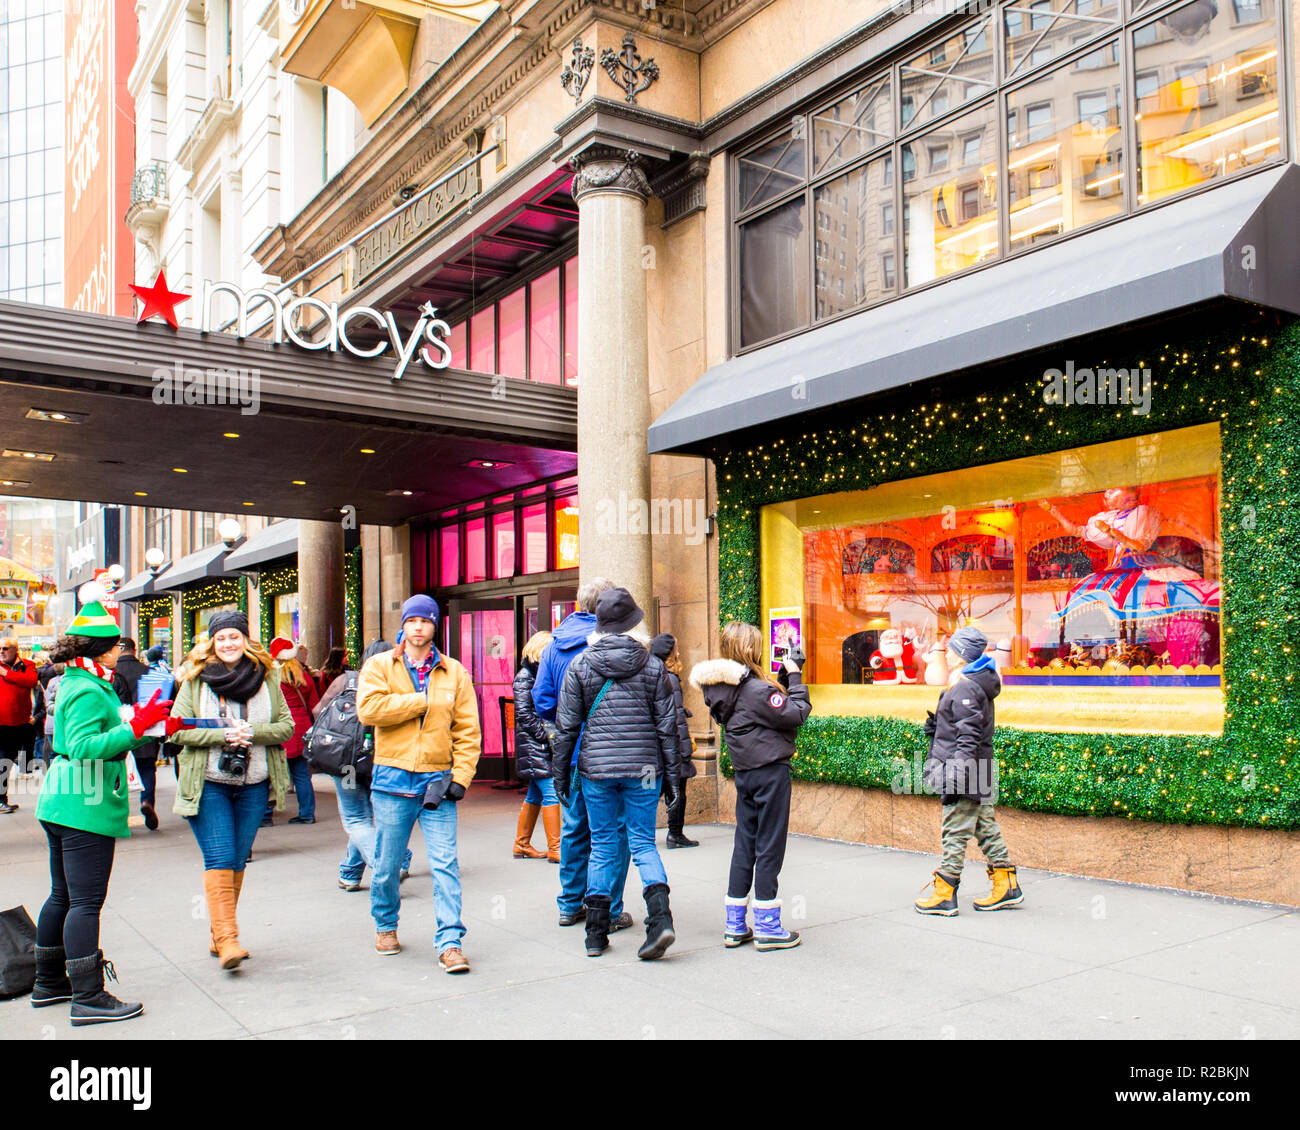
column 533, row 761
column 665, row 647
column 760, row 718
column 616, row 704
column 962, row 770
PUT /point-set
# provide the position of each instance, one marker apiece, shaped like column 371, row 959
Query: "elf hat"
column 279, row 646
column 93, row 620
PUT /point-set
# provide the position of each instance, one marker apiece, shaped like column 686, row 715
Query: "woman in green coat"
column 227, row 773
column 83, row 809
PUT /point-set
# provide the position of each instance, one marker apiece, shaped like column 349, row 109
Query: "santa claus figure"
column 895, row 660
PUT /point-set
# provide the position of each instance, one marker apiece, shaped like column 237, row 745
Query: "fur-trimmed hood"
column 714, row 671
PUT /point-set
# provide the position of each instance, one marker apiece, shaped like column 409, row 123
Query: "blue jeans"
column 358, row 817
column 395, row 816
column 300, row 774
column 541, row 792
column 227, row 822
column 146, row 759
column 611, row 804
column 575, row 854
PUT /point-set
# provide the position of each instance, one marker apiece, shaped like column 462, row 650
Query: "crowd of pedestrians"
column 601, row 735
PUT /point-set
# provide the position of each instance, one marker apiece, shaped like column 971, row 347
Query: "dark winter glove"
column 150, row 714
column 672, row 791
column 931, row 724
column 455, row 791
column 561, row 788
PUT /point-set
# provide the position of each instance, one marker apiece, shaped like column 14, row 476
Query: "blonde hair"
column 291, row 673
column 743, row 643
column 674, row 662
column 206, row 652
column 535, row 646
column 8, row 641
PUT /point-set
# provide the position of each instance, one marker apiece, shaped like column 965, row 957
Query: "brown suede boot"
column 220, row 889
column 238, row 884
column 524, row 833
column 551, row 822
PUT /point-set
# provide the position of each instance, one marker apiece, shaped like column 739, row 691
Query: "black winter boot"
column 676, row 820
column 52, row 984
column 90, row 1003
column 658, row 924
column 597, row 925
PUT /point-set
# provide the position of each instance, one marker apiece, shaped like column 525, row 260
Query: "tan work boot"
column 1006, row 890
column 524, row 832
column 453, row 960
column 386, row 943
column 942, row 898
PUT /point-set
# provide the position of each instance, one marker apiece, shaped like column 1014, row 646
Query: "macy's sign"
column 425, row 343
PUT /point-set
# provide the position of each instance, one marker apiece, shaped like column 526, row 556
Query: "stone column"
column 613, row 371
column 394, row 577
column 320, row 587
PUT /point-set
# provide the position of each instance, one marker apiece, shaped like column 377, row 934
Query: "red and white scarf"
column 91, row 666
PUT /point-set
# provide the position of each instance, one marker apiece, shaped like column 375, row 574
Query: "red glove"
column 150, row 714
column 174, row 724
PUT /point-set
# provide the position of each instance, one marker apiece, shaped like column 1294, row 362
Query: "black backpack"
column 17, row 953
column 337, row 743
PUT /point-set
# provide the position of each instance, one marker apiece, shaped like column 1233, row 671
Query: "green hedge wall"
column 1246, row 379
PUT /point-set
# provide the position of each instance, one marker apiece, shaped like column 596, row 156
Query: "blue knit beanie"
column 968, row 643
column 420, row 605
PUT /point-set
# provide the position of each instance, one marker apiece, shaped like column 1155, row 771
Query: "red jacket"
column 300, row 702
column 16, row 685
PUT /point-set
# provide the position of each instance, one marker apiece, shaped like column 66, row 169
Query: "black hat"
column 231, row 618
column 661, row 647
column 616, row 611
column 155, row 653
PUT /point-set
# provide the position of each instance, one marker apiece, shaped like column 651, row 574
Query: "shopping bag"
column 17, row 952
column 133, row 782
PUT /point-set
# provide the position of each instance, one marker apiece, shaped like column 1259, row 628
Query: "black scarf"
column 238, row 683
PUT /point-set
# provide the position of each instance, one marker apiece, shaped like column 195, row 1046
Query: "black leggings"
column 80, row 864
column 762, row 822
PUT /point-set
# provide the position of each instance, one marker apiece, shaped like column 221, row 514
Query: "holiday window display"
column 1086, row 590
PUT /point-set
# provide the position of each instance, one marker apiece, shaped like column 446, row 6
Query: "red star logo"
column 159, row 300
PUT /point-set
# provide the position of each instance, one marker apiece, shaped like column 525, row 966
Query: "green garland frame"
column 225, row 590
column 1248, row 380
column 352, row 605
column 147, row 610
column 270, row 584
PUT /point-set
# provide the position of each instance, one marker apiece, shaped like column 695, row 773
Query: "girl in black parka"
column 760, row 718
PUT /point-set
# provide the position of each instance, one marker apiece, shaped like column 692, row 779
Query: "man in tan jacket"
column 427, row 745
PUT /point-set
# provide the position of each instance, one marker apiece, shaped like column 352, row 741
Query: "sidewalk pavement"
column 1081, row 959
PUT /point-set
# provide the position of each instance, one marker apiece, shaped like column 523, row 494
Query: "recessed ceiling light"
column 299, row 482
column 408, row 493
column 231, row 435
column 181, row 470
column 15, row 453
column 488, row 464
column 142, row 493
column 246, row 504
column 55, row 415
column 367, row 451
column 14, row 483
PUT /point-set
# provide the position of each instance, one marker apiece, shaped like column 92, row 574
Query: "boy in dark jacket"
column 962, row 770
column 760, row 719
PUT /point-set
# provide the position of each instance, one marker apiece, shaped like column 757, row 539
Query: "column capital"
column 603, row 168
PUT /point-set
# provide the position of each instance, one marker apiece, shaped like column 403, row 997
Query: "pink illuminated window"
column 571, row 322
column 503, row 544
column 534, row 527
column 475, row 552
column 544, row 357
column 457, row 343
column 448, row 562
column 483, row 341
column 512, row 333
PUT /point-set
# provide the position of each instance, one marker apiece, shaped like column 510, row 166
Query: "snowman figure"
column 1002, row 654
column 936, row 664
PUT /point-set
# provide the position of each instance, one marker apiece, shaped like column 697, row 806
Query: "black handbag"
column 17, row 953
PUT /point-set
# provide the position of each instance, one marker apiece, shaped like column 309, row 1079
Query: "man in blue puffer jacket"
column 568, row 641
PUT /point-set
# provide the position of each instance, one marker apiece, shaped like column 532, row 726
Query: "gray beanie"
column 968, row 643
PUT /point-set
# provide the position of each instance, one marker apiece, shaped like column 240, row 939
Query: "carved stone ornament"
column 611, row 170
column 578, row 70
column 628, row 69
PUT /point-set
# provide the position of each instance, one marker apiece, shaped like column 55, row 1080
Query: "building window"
column 158, row 530
column 1197, row 116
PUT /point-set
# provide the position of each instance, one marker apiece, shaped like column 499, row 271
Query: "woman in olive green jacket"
column 83, row 809
column 226, row 774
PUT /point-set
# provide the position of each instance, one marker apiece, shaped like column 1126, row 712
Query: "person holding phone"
column 761, row 717
column 83, row 809
column 226, row 773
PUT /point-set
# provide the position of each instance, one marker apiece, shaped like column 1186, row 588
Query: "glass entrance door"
column 482, row 636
